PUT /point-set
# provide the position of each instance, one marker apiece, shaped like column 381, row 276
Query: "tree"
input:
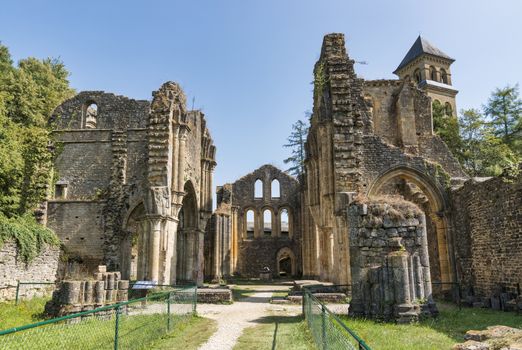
column 29, row 92
column 483, row 153
column 504, row 109
column 447, row 127
column 296, row 142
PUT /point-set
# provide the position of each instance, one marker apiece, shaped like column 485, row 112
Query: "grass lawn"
column 431, row 334
column 239, row 292
column 277, row 332
column 27, row 311
column 187, row 336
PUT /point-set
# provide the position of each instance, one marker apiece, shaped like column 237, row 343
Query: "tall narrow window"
column 285, row 223
column 267, row 222
column 444, row 76
column 258, row 189
column 417, row 75
column 433, row 73
column 448, row 109
column 91, row 114
column 250, row 224
column 276, row 189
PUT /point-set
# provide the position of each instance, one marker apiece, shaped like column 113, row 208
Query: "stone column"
column 155, row 249
column 199, row 257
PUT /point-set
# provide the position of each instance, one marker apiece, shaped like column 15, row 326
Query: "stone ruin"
column 74, row 296
column 389, row 261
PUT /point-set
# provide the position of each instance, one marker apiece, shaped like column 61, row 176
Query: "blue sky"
column 248, row 64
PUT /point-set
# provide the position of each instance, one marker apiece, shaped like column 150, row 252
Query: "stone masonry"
column 43, row 268
column 389, row 260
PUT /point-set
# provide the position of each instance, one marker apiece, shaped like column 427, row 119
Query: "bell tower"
column 430, row 68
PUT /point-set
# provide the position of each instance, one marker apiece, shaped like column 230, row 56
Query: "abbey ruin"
column 383, row 207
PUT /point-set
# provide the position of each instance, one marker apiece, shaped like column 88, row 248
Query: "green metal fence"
column 129, row 325
column 328, row 331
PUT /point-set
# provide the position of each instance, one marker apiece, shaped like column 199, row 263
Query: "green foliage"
column 26, row 312
column 447, row 127
column 504, row 109
column 29, row 92
column 296, row 142
column 29, row 236
column 485, row 144
column 482, row 152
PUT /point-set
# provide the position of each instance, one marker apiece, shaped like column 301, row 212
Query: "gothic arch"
column 186, row 238
column 282, row 256
column 132, row 247
column 424, row 191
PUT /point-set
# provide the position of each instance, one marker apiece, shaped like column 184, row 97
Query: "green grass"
column 280, row 294
column 241, row 292
column 187, row 336
column 431, row 334
column 135, row 332
column 27, row 311
column 277, row 332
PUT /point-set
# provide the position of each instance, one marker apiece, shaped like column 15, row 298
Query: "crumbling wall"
column 488, row 226
column 389, row 260
column 42, row 268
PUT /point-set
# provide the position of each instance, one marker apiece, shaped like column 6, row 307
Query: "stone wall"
column 235, row 246
column 42, row 268
column 80, row 226
column 488, row 226
column 389, row 260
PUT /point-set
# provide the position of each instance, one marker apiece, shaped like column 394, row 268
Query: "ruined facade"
column 257, row 224
column 133, row 184
column 374, row 141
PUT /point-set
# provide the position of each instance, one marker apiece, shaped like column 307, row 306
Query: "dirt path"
column 232, row 319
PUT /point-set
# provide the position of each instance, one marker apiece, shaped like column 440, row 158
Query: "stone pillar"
column 200, row 257
column 183, row 132
column 154, row 249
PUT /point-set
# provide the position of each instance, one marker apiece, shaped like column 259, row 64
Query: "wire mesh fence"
column 134, row 324
column 328, row 331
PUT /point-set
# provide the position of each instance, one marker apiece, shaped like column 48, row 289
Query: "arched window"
column 267, row 222
column 91, row 114
column 284, row 223
column 250, row 224
column 433, row 73
column 448, row 109
column 258, row 189
column 276, row 189
column 417, row 75
column 444, row 76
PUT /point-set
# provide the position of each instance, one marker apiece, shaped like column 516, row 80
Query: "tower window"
column 258, row 189
column 91, row 114
column 444, row 76
column 433, row 73
column 417, row 75
column 448, row 109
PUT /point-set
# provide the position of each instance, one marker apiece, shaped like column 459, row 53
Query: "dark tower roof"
column 421, row 46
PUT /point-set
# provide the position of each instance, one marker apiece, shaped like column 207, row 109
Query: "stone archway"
column 285, row 262
column 131, row 249
column 422, row 190
column 187, row 237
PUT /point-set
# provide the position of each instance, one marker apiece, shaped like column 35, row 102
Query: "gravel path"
column 232, row 319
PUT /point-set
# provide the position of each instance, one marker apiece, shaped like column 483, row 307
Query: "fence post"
column 195, row 301
column 304, row 301
column 17, row 291
column 168, row 312
column 323, row 326
column 116, row 328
